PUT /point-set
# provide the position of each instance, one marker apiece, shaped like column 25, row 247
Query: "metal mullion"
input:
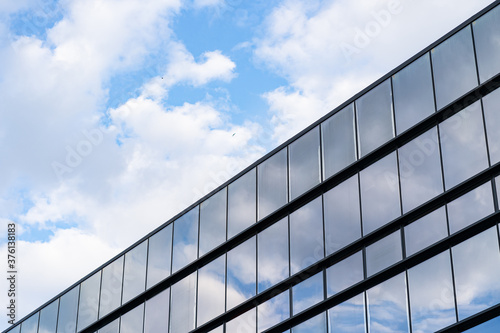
column 407, row 285
column 476, row 63
column 453, row 283
column 483, row 117
column 77, row 308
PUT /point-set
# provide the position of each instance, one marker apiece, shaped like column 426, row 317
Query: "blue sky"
column 118, row 114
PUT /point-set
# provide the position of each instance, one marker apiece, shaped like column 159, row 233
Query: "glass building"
column 383, row 216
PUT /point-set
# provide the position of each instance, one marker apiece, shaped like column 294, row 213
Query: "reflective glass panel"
column 241, row 273
column 380, row 193
column 241, row 210
column 16, row 329
column 66, row 322
column 30, row 325
column 420, row 170
column 344, row 274
column 245, row 323
column 183, row 305
column 383, row 253
column 491, row 105
column 48, row 318
column 134, row 278
column 432, row 302
column 156, row 313
column 454, row 67
column 159, row 255
column 272, row 255
column 272, row 183
column 89, row 300
column 425, row 231
column 213, row 221
column 348, row 317
column 273, row 311
column 111, row 287
column 307, row 293
column 487, row 43
column 387, row 306
column 306, row 235
column 211, row 290
column 131, row 322
column 315, row 324
column 476, row 264
column 413, row 94
column 185, row 248
column 491, row 326
column 112, row 327
column 304, row 163
column 470, row 207
column 219, row 329
column 463, row 145
column 338, row 139
column 375, row 124
column 342, row 215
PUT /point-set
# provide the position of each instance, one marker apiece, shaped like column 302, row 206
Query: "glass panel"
column 273, row 255
column 273, row 311
column 425, row 231
column 211, row 290
column 315, row 324
column 420, row 170
column 383, row 253
column 432, row 302
column 111, row 287
column 338, row 139
column 342, row 215
column 156, row 313
column 306, row 236
column 219, row 329
column 183, row 305
column 185, row 246
column 344, row 274
column 272, row 183
column 48, row 318
column 213, row 222
column 307, row 293
column 131, row 321
column 470, row 207
column 463, row 145
column 491, row 104
column 476, row 264
column 304, row 163
column 245, row 323
column 89, row 300
column 159, row 255
column 112, row 327
column 491, row 326
column 134, row 278
column 375, row 124
column 241, row 208
column 30, row 325
column 454, row 67
column 16, row 329
column 413, row 94
column 380, row 193
column 487, row 42
column 68, row 306
column 348, row 317
column 241, row 273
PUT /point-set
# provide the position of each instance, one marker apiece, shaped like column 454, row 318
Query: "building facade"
column 383, row 216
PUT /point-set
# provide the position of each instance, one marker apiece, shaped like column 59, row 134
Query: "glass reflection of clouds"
column 241, row 273
column 487, row 42
column 111, row 287
column 273, row 311
column 183, row 304
column 159, row 255
column 131, row 322
column 48, row 318
column 185, row 248
column 30, row 325
column 272, row 183
column 383, row 253
column 344, row 274
column 156, row 313
column 315, row 324
column 307, row 293
column 112, row 327
column 348, row 317
column 89, row 300
column 212, row 222
column 491, row 105
column 426, row 231
column 134, row 276
column 68, row 306
column 241, row 203
column 211, row 290
column 244, row 323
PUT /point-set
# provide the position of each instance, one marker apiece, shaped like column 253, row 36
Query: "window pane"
column 183, row 305
column 476, row 264
column 241, row 208
column 470, row 207
column 159, row 255
column 375, row 124
column 413, row 93
column 134, row 279
column 185, row 248
column 348, row 317
column 383, row 253
column 245, row 323
column 304, row 163
column 111, row 287
column 211, row 290
column 273, row 311
column 432, row 302
column 487, row 42
column 68, row 305
column 342, row 215
column 315, row 324
column 306, row 236
column 272, row 182
column 463, row 145
column 241, row 273
column 89, row 300
column 454, row 67
column 48, row 318
column 491, row 104
column 307, row 293
column 16, row 329
column 112, row 327
column 426, row 231
column 213, row 222
column 156, row 314
column 273, row 254
column 491, row 326
column 131, row 322
column 30, row 325
column 344, row 274
column 420, row 170
column 380, row 193
column 338, row 139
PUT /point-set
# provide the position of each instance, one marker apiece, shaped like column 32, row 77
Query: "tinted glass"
column 273, row 311
column 159, row 255
column 272, row 183
column 134, row 279
column 344, row 274
column 16, row 329
column 185, row 248
column 432, row 302
column 68, row 305
column 211, row 290
column 454, row 67
column 413, row 93
column 420, row 170
column 476, row 264
column 212, row 222
column 111, row 287
column 112, row 327
column 463, row 145
column 339, row 141
column 315, row 324
column 156, row 313
column 342, row 215
column 48, row 318
column 245, row 323
column 383, row 253
column 307, row 293
column 241, row 273
column 491, row 326
column 425, row 231
column 487, row 42
column 30, row 325
column 131, row 322
column 491, row 105
column 375, row 124
column 89, row 300
column 183, row 305
column 348, row 317
column 380, row 193
column 241, row 210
